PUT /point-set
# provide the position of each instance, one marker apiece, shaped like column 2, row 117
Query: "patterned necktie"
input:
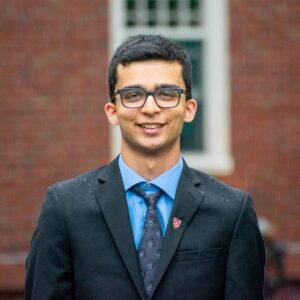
column 151, row 244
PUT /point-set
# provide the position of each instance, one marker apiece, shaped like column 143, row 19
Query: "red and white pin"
column 176, row 223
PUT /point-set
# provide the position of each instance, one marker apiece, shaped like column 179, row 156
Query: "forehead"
column 149, row 74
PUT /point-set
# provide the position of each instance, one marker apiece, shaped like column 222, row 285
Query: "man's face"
column 150, row 129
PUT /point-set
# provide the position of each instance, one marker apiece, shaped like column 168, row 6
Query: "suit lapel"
column 187, row 201
column 112, row 200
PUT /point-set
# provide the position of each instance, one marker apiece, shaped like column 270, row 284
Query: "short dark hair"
column 148, row 47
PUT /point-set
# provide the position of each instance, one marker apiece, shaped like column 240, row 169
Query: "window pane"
column 196, row 12
column 130, row 13
column 192, row 135
column 163, row 12
column 173, row 7
column 152, row 12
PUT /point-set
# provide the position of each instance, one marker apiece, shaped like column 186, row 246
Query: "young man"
column 147, row 226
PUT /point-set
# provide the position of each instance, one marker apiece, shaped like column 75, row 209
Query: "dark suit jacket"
column 83, row 246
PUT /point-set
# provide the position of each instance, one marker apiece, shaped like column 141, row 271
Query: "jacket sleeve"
column 49, row 264
column 246, row 259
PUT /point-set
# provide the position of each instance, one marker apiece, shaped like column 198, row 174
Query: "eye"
column 167, row 94
column 133, row 95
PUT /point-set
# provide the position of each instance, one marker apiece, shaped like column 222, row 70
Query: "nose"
column 150, row 106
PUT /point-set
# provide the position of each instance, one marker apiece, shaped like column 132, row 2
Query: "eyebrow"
column 159, row 86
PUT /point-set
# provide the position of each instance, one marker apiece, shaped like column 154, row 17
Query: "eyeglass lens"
column 164, row 97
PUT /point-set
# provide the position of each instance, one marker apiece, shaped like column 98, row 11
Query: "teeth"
column 150, row 126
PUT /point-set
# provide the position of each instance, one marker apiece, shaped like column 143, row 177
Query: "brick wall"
column 265, row 62
column 53, row 57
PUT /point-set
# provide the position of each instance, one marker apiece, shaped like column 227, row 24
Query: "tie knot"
column 151, row 198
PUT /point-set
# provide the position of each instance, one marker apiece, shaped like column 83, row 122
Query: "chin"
column 156, row 149
column 152, row 149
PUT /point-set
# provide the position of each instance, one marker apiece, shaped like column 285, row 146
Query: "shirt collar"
column 131, row 178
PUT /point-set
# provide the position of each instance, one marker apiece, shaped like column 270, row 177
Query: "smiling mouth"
column 151, row 126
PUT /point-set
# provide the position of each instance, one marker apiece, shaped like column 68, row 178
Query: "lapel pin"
column 176, row 223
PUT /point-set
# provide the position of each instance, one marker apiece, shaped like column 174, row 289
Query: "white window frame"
column 216, row 158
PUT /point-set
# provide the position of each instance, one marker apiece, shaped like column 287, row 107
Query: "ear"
column 190, row 110
column 111, row 113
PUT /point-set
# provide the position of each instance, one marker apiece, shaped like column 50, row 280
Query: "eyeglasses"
column 167, row 97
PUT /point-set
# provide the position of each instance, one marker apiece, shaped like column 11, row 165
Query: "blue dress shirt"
column 137, row 207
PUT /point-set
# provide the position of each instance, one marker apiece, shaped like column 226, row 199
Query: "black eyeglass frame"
column 148, row 93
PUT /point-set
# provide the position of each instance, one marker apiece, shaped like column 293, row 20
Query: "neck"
column 150, row 166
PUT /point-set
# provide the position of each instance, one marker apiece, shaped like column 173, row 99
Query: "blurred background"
column 246, row 71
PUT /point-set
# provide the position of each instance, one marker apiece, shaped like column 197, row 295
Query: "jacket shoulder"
column 216, row 188
column 84, row 183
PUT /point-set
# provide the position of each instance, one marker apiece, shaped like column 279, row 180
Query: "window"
column 201, row 27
